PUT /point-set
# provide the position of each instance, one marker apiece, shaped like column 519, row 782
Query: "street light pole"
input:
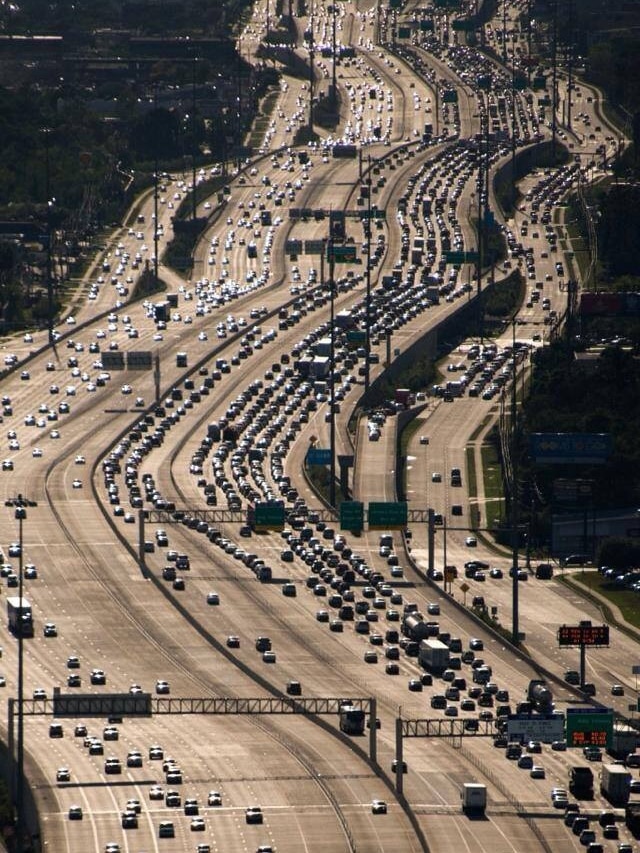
column 20, row 503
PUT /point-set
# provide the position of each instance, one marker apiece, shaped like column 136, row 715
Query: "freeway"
column 146, row 632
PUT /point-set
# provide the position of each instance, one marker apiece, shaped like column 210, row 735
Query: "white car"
column 36, row 452
column 80, row 460
column 77, row 484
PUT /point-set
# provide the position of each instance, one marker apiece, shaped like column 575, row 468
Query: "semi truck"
column 474, row 797
column 614, row 783
column 19, row 616
column 433, row 655
column 581, row 782
column 540, row 696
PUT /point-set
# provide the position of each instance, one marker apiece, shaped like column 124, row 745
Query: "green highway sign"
column 352, row 516
column 269, row 516
column 342, row 254
column 386, row 515
column 590, row 727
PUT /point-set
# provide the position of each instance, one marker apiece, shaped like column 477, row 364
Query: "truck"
column 433, row 655
column 632, row 818
column 581, row 782
column 624, row 742
column 614, row 783
column 433, row 294
column 19, row 616
column 540, row 696
column 417, row 628
column 474, row 797
column 319, row 367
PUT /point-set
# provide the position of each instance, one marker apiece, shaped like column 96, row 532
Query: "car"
column 476, row 644
column 253, row 815
column 77, row 483
column 213, row 598
column 378, row 807
column 471, row 542
column 97, row 676
column 617, row 690
column 534, row 746
column 424, row 439
column 214, row 798
column 166, row 829
column 111, row 847
column 75, row 812
column 436, row 477
column 37, row 453
column 559, row 745
column 156, row 792
column 197, row 824
column 233, row 642
column 162, row 687
column 610, row 831
column 134, row 758
column 496, row 573
column 50, row 630
column 7, row 464
column 63, row 774
column 592, row 753
column 80, row 459
column 203, row 848
column 537, row 772
column 433, row 608
column 112, row 766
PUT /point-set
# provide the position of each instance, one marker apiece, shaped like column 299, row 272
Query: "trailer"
column 433, row 655
column 614, row 783
column 19, row 616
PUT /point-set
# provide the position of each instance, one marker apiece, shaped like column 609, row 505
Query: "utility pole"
column 569, row 63
column 334, row 84
column 312, row 80
column 193, row 137
column 554, row 78
column 367, row 373
column 155, row 196
column 49, row 202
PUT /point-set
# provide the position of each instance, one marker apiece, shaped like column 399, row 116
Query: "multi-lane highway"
column 103, row 462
